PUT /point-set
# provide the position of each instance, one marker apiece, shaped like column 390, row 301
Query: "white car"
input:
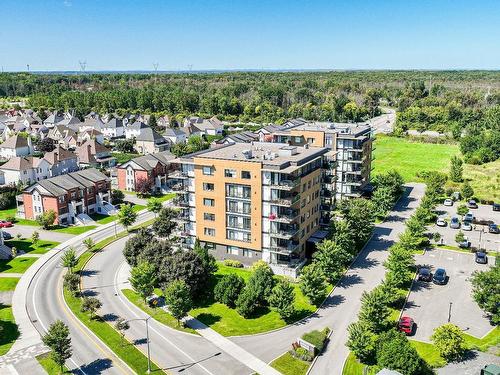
column 466, row 225
column 448, row 202
column 441, row 222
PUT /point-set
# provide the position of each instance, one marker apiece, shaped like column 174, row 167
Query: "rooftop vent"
column 247, row 154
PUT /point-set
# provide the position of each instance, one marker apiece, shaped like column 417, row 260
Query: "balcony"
column 178, row 174
column 329, row 179
column 179, row 188
column 285, row 201
column 286, row 184
column 285, row 249
column 238, row 226
column 329, row 164
column 237, row 210
column 285, row 217
column 284, row 234
column 325, row 193
column 180, row 203
column 238, row 195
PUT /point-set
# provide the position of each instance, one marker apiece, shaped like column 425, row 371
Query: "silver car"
column 448, row 202
column 455, row 223
column 441, row 222
column 466, row 225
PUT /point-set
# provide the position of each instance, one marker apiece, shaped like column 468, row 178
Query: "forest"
column 462, row 104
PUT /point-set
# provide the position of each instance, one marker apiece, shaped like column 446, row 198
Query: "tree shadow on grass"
column 110, row 317
column 208, row 319
column 9, row 331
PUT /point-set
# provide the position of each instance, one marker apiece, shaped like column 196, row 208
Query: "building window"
column 208, row 202
column 230, row 173
column 298, row 139
column 208, row 186
column 61, row 199
column 209, row 231
column 209, row 217
column 310, row 141
column 247, row 253
column 245, row 175
column 208, row 171
column 233, row 250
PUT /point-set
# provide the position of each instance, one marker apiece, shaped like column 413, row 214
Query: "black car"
column 481, row 257
column 424, row 274
column 6, row 236
column 472, row 204
column 493, row 228
column 496, row 206
column 439, row 276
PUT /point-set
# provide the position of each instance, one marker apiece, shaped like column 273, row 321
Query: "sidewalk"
column 231, row 348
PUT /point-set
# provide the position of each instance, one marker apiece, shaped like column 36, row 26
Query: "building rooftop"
column 353, row 129
column 270, row 155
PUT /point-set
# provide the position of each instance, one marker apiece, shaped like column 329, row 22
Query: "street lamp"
column 449, row 312
column 146, row 320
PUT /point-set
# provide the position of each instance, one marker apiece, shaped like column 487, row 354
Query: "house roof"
column 59, row 154
column 137, row 125
column 54, row 118
column 20, row 163
column 149, row 135
column 88, row 150
column 70, row 121
column 114, row 123
column 16, row 141
column 148, row 162
column 60, row 185
column 173, row 132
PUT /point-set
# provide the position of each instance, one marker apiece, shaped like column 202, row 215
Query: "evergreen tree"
column 456, row 169
column 282, row 298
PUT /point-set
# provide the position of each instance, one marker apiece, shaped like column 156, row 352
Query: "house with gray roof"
column 149, row 142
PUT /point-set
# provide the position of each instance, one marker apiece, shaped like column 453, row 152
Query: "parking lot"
column 429, row 304
column 489, row 241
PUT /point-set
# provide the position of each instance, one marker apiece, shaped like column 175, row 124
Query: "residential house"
column 16, row 146
column 53, row 119
column 152, row 168
column 78, row 193
column 135, row 129
column 59, row 133
column 89, row 134
column 71, row 122
column 93, row 154
column 241, row 137
column 174, row 135
column 113, row 128
column 150, row 142
column 211, row 126
column 91, row 123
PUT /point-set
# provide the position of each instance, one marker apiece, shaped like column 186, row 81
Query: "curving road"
column 106, row 274
column 45, row 304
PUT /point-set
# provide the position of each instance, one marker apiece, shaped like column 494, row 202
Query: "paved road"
column 384, row 123
column 105, row 276
column 428, row 304
column 27, row 230
column 342, row 305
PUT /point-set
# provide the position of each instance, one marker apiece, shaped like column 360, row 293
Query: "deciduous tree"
column 143, row 279
column 449, row 341
column 178, row 299
column 58, row 340
column 313, row 283
column 282, row 298
column 127, row 216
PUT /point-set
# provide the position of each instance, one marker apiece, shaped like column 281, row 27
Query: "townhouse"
column 78, row 193
column 152, row 168
column 252, row 201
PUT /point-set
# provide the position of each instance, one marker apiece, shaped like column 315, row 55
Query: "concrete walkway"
column 13, row 274
column 231, row 348
column 23, row 361
column 28, row 255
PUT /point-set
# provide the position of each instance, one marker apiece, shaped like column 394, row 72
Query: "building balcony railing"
column 329, row 179
column 285, row 201
column 181, row 218
column 180, row 203
column 284, row 249
column 178, row 174
column 238, row 195
column 232, row 210
column 325, row 193
column 179, row 187
column 238, row 226
column 286, row 218
column 286, row 184
column 284, row 234
column 353, row 172
column 330, row 164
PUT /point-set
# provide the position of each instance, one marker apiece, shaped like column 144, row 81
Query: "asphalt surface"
column 26, row 231
column 384, row 123
column 45, row 305
column 489, row 241
column 342, row 306
column 106, row 275
column 429, row 304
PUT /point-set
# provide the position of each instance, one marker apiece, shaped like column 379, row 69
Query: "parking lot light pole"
column 449, row 312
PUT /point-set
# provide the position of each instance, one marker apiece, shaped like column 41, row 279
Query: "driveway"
column 342, row 306
column 490, row 241
column 429, row 304
column 471, row 365
column 26, row 231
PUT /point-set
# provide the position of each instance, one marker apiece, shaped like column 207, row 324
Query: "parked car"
column 439, row 276
column 6, row 236
column 496, row 206
column 441, row 222
column 472, row 204
column 493, row 228
column 454, row 223
column 406, row 325
column 481, row 257
column 448, row 202
column 465, row 244
column 466, row 225
column 468, row 217
column 5, row 224
column 424, row 274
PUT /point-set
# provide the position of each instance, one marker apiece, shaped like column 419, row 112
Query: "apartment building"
column 78, row 193
column 252, row 201
column 352, row 144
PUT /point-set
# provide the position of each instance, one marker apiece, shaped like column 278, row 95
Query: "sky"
column 254, row 34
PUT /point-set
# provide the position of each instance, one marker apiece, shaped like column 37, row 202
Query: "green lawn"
column 491, row 339
column 289, row 365
column 428, row 353
column 4, row 214
column 159, row 314
column 103, row 219
column 484, row 179
column 49, row 365
column 16, row 265
column 27, row 246
column 76, row 230
column 123, row 157
column 8, row 283
column 353, row 367
column 138, row 207
column 167, row 197
column 8, row 326
column 228, row 322
column 408, row 158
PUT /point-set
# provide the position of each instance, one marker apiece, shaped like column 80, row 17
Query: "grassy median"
column 289, row 365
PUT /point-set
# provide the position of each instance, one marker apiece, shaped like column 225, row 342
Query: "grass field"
column 74, row 230
column 353, row 367
column 9, row 329
column 485, row 180
column 429, row 353
column 289, row 365
column 11, row 212
column 123, row 157
column 228, row 322
column 408, row 158
column 27, row 246
column 159, row 314
column 8, row 284
column 16, row 265
column 483, row 344
column 50, row 366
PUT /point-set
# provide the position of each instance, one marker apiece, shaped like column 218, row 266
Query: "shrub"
column 228, row 289
column 449, row 341
column 247, row 303
column 10, row 218
column 462, row 209
column 395, row 353
column 233, row 263
column 302, row 354
column 317, row 338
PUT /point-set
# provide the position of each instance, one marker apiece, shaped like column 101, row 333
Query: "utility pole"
column 449, row 312
column 83, row 65
column 155, row 66
column 28, row 66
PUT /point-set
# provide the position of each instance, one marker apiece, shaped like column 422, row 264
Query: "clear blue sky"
column 252, row 34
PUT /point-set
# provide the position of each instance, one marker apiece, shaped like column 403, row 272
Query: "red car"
column 406, row 325
column 5, row 224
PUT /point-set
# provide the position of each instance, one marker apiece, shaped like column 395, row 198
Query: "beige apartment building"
column 252, row 201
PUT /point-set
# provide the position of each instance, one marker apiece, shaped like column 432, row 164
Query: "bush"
column 395, row 353
column 117, row 196
column 46, row 219
column 233, row 263
column 449, row 341
column 10, row 218
column 228, row 289
column 247, row 303
column 462, row 209
column 302, row 354
column 317, row 338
